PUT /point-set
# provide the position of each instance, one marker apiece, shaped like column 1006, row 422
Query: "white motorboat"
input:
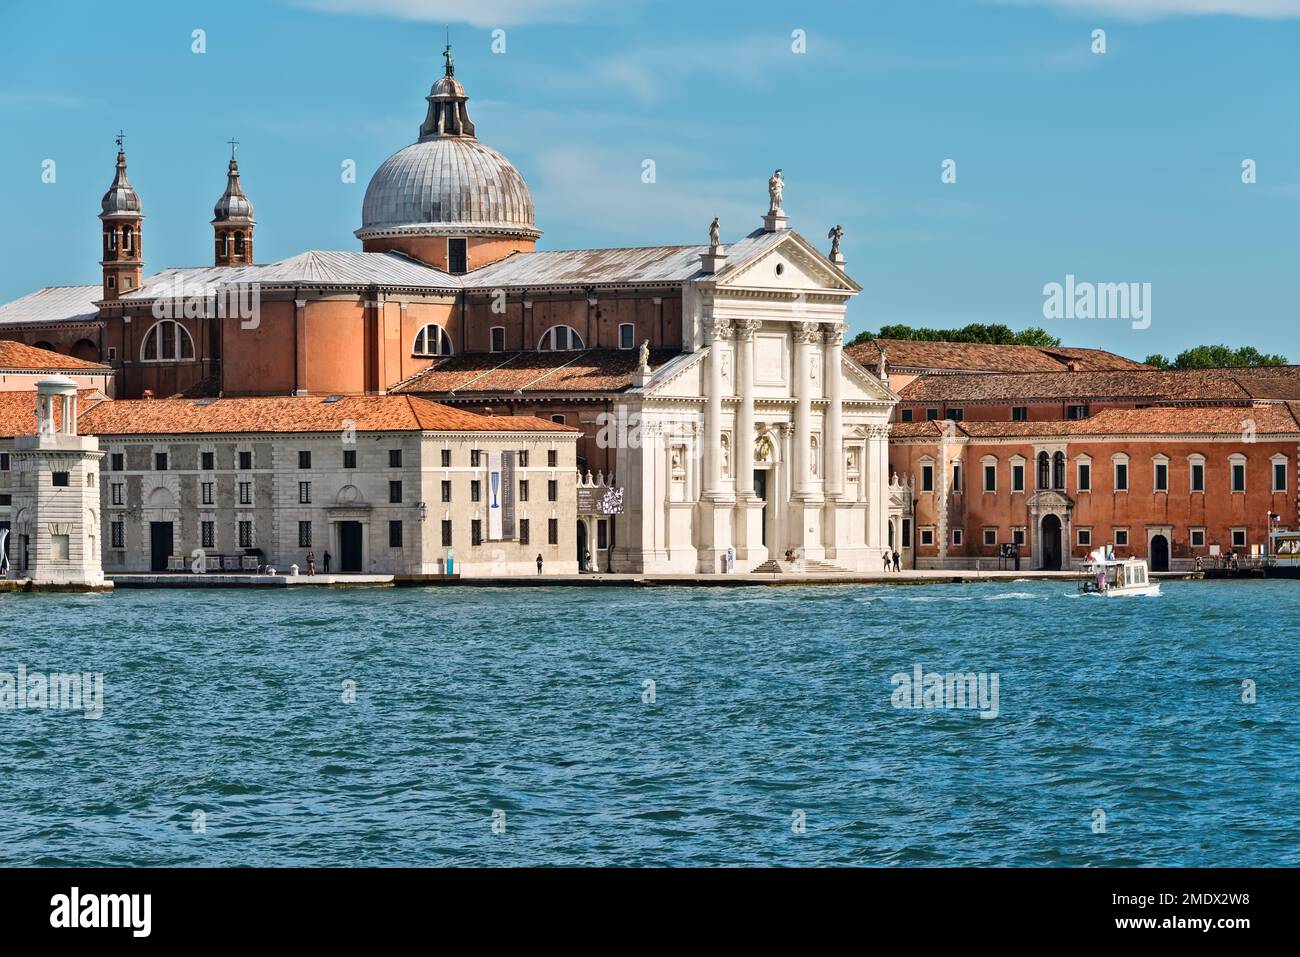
column 1111, row 577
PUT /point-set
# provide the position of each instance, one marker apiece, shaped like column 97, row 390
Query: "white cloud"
column 1163, row 9
column 479, row 13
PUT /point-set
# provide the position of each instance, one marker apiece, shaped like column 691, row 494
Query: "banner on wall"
column 508, row 496
column 494, row 497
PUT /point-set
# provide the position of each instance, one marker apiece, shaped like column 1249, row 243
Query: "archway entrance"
column 582, row 546
column 1159, row 553
column 1051, row 539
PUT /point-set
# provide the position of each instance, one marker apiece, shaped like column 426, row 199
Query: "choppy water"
column 767, row 702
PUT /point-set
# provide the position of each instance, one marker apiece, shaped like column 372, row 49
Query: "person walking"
column 897, row 567
column 311, row 564
column 327, row 561
column 885, row 556
column 539, row 563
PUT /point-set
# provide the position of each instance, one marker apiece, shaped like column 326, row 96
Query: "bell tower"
column 232, row 220
column 123, row 261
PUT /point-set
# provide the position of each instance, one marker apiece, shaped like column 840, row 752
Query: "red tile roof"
column 982, row 357
column 596, row 370
column 1277, row 418
column 382, row 413
column 24, row 358
column 1263, row 382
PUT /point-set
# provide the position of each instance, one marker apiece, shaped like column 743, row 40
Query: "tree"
column 993, row 334
column 1224, row 357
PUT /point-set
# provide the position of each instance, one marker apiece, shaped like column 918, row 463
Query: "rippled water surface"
column 767, row 701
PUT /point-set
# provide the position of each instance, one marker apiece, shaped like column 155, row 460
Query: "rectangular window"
column 304, row 493
column 394, row 458
column 304, row 534
column 932, row 415
column 1084, row 536
column 559, row 418
column 349, row 458
column 552, row 458
column 627, row 336
column 1121, row 477
column 160, row 461
column 990, row 536
column 457, row 256
column 304, row 460
column 498, row 339
column 395, row 534
column 956, row 477
column 905, row 415
column 446, row 532
column 446, row 458
column 1198, row 477
column 208, row 534
column 118, row 532
column 552, row 531
column 1018, row 535
column 1018, row 478
column 245, row 461
column 1020, row 413
column 552, row 490
column 1196, row 537
column 990, row 478
column 117, row 493
column 1239, row 476
column 1162, row 477
column 1076, row 411
column 521, row 459
column 956, row 415
column 473, row 458
column 602, row 534
column 207, row 461
column 394, row 492
column 523, row 490
column 927, row 536
column 475, row 491
column 207, row 488
column 4, row 462
column 245, row 493
column 1084, row 478
column 523, row 531
column 1279, row 476
column 957, row 536
column 245, row 534
column 117, row 461
column 1238, row 538
column 59, row 479
column 476, row 531
column 907, row 533
column 446, row 491
column 1121, row 537
column 927, row 478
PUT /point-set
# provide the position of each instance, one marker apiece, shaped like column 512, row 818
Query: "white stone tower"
column 56, row 503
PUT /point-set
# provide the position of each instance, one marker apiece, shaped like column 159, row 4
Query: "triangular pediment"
column 789, row 263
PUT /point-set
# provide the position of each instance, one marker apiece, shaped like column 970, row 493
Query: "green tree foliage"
column 1217, row 357
column 994, row 334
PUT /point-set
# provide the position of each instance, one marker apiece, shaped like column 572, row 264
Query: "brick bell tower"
column 123, row 261
column 233, row 220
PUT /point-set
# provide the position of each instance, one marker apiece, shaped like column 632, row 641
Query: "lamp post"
column 1273, row 518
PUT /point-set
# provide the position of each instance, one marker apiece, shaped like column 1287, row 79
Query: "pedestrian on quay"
column 539, row 563
column 885, row 557
column 897, row 567
column 327, row 561
column 311, row 564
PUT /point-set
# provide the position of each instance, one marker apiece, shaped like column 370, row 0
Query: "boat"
column 1111, row 577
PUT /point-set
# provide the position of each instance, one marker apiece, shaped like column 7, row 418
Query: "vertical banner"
column 494, row 496
column 508, row 496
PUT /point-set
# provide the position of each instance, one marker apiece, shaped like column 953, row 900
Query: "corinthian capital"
column 833, row 333
column 745, row 328
column 717, row 328
column 807, row 331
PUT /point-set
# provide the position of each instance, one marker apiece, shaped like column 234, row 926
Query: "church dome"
column 447, row 183
column 233, row 206
column 121, row 198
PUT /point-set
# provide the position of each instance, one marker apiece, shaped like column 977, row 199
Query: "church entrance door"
column 350, row 547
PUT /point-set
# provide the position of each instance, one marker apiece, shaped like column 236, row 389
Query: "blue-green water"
column 767, row 702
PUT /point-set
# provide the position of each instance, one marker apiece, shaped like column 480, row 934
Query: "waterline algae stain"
column 658, row 726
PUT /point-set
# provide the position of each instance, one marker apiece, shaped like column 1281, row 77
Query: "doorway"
column 1159, row 553
column 160, row 545
column 582, row 546
column 1051, row 532
column 350, row 547
column 760, row 489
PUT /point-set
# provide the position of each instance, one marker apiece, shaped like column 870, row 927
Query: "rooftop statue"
column 835, row 235
column 775, row 186
column 715, row 233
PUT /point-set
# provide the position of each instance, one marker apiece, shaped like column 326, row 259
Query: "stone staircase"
column 799, row 567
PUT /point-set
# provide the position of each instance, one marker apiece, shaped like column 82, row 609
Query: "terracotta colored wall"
column 660, row 323
column 260, row 359
column 432, row 250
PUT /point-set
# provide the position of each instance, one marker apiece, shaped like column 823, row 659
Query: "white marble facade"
column 764, row 438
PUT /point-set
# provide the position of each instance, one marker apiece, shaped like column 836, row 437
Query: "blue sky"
column 1118, row 167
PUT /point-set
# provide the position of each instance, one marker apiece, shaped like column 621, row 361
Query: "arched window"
column 560, row 339
column 44, row 345
column 1044, row 470
column 224, row 244
column 1058, row 471
column 626, row 336
column 166, row 341
column 239, row 244
column 433, row 340
column 112, row 240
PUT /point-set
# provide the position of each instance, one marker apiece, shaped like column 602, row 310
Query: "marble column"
column 743, row 440
column 833, row 339
column 805, row 334
column 718, row 331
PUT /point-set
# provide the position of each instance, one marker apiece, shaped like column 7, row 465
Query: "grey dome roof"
column 233, row 206
column 121, row 198
column 448, row 184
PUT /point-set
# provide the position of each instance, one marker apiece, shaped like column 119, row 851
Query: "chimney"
column 147, row 394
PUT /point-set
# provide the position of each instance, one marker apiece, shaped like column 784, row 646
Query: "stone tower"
column 123, row 260
column 56, row 502
column 232, row 220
